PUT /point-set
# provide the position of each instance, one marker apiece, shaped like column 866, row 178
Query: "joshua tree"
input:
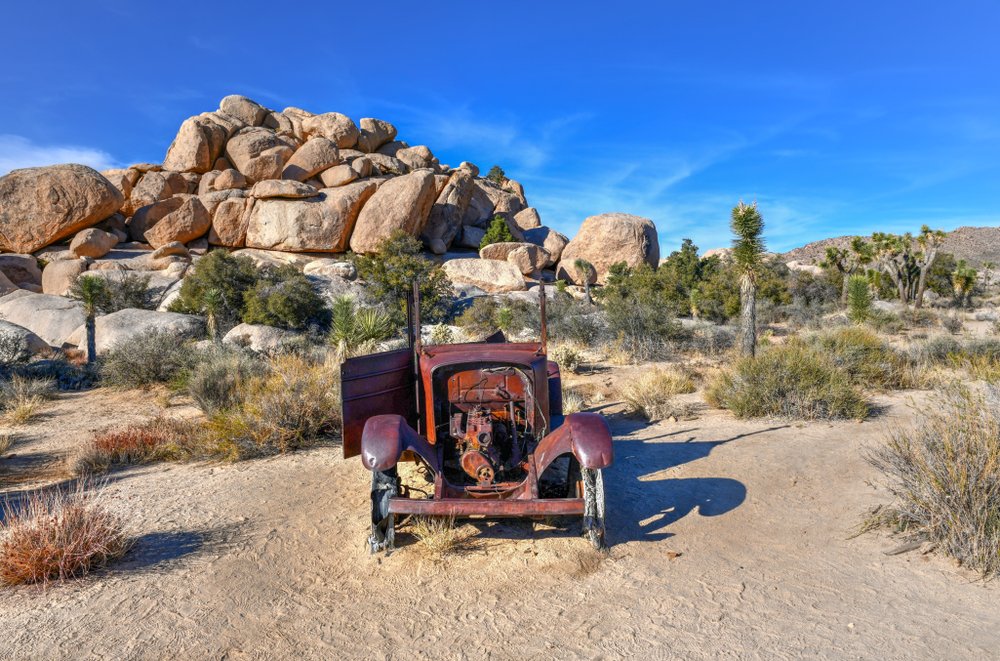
column 848, row 261
column 748, row 255
column 91, row 291
column 585, row 270
column 930, row 243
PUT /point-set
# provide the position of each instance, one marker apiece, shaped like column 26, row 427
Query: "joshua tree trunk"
column 748, row 316
column 91, row 331
column 921, row 286
column 586, row 290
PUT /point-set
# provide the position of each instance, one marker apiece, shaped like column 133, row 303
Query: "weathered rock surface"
column 230, row 222
column 331, row 267
column 417, row 157
column 52, row 318
column 609, row 238
column 21, row 269
column 527, row 219
column 39, row 206
column 374, row 133
column 92, row 242
column 59, row 276
column 258, row 153
column 197, row 145
column 388, row 164
column 311, row 158
column 527, row 257
column 153, row 187
column 471, row 237
column 6, row 286
column 333, row 126
column 445, row 219
column 489, row 275
column 480, row 209
column 219, row 180
column 322, row 224
column 284, row 188
column 33, row 344
column 132, row 322
column 338, row 175
column 402, row 203
column 246, row 111
column 551, row 240
column 259, row 338
column 186, row 220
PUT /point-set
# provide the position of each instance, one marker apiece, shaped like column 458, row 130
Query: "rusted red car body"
column 485, row 422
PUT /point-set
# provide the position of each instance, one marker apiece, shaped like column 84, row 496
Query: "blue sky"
column 837, row 118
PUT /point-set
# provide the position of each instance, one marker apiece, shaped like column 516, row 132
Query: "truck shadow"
column 643, row 501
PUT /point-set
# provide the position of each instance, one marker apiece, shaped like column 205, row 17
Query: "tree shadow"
column 151, row 551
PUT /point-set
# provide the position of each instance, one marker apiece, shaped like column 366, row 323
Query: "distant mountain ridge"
column 973, row 244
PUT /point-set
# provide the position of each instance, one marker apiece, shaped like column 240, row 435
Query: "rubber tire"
column 593, row 507
column 385, row 485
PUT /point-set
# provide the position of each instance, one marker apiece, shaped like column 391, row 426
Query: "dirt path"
column 265, row 560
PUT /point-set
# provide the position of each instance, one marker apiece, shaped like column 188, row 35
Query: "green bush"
column 497, row 175
column 944, row 475
column 356, row 331
column 147, row 359
column 640, row 309
column 220, row 375
column 390, row 274
column 789, row 381
column 497, row 232
column 216, row 287
column 488, row 314
column 285, row 298
column 864, row 357
column 859, row 299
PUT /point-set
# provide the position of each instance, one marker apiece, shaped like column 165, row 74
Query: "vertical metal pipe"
column 415, row 297
column 545, row 323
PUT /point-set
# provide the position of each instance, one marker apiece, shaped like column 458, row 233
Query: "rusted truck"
column 484, row 424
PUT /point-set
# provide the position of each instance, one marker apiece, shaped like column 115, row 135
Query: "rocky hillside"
column 290, row 187
column 973, row 244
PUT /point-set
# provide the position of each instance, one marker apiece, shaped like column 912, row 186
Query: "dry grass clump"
column 866, row 358
column 58, row 535
column 652, row 393
column 587, row 561
column 944, row 475
column 438, row 534
column 6, row 443
column 22, row 397
column 573, row 401
column 294, row 405
column 792, row 380
column 567, row 357
column 158, row 439
column 979, row 358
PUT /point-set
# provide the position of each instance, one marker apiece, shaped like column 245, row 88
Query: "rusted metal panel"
column 377, row 384
column 491, row 508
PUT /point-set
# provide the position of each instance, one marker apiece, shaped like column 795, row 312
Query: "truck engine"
column 489, row 425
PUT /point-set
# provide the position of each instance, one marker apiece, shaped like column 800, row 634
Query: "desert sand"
column 729, row 540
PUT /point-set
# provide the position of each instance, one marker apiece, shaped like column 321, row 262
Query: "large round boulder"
column 258, row 153
column 323, row 223
column 246, row 111
column 198, row 143
column 39, row 206
column 548, row 238
column 402, row 203
column 490, row 275
column 610, row 238
column 186, row 219
column 30, row 343
column 311, row 158
column 111, row 329
column 333, row 126
column 374, row 134
column 92, row 242
column 52, row 318
column 259, row 338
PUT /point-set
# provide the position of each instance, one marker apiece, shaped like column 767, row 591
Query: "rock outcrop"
column 610, row 238
column 132, row 322
column 52, row 318
column 400, row 204
column 491, row 276
column 39, row 206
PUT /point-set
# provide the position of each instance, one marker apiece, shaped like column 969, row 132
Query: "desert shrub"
column 944, row 475
column 144, row 360
column 885, row 322
column 390, row 273
column 58, row 535
column 792, row 380
column 864, row 357
column 488, row 314
column 717, row 295
column 918, row 317
column 356, row 331
column 216, row 285
column 639, row 311
column 295, row 405
column 126, row 289
column 859, row 299
column 570, row 320
column 158, row 439
column 952, row 323
column 6, row 443
column 980, row 358
column 285, row 298
column 573, row 400
column 21, row 397
column 652, row 393
column 219, row 377
column 13, row 350
column 442, row 334
column 438, row 534
column 66, row 374
column 497, row 232
column 708, row 339
column 567, row 358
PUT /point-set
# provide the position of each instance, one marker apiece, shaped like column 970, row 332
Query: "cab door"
column 377, row 384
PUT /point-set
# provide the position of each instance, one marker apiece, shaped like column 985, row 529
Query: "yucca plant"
column 92, row 292
column 748, row 255
column 352, row 329
column 585, row 270
column 859, row 299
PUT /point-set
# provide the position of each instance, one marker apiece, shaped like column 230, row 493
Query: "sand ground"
column 730, row 540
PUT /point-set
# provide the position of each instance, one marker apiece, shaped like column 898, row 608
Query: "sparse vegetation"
column 859, row 299
column 153, row 440
column 438, row 534
column 651, row 394
column 21, row 397
column 497, row 175
column 497, row 232
column 285, row 298
column 220, row 376
column 6, row 443
column 944, row 475
column 391, row 272
column 356, row 331
column 567, row 357
column 867, row 360
column 58, row 535
column 145, row 360
column 216, row 288
column 792, row 380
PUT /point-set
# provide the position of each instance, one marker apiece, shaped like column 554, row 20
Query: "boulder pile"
column 268, row 182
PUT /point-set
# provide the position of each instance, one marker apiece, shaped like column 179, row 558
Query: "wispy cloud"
column 19, row 152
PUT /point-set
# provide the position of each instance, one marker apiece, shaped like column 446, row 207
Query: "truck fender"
column 586, row 435
column 386, row 437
